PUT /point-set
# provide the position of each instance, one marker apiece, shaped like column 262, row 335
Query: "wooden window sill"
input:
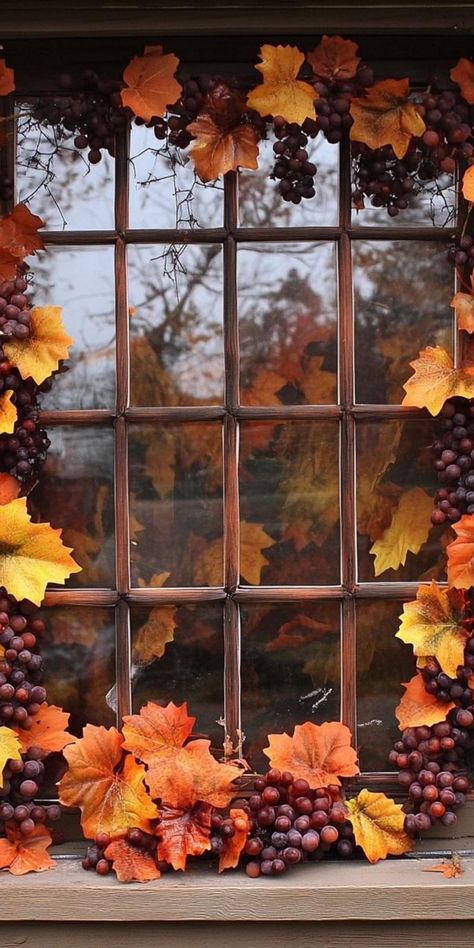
column 396, row 889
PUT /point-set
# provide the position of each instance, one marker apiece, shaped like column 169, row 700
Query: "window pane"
column 76, row 492
column 288, row 323
column 191, row 667
column 289, row 503
column 395, row 315
column 81, row 280
column 64, row 190
column 290, row 670
column 176, row 504
column 168, row 194
column 260, row 202
column 176, row 346
column 382, row 663
column 393, row 460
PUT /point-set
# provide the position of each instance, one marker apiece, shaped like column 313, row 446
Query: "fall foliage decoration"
column 150, row 83
column 217, row 150
column 320, row 754
column 334, row 58
column 281, row 92
column 378, row 825
column 385, row 116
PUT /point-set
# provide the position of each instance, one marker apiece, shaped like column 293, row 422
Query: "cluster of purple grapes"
column 451, row 689
column 14, row 308
column 293, row 169
column 22, row 780
column 334, row 102
column 453, row 462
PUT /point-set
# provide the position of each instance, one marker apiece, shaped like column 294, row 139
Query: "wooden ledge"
column 393, row 890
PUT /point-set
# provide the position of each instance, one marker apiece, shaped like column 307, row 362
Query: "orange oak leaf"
column 31, row 554
column 418, row 708
column 320, row 753
column 26, row 239
column 8, row 413
column 461, row 555
column 151, row 639
column 39, row 355
column 9, row 488
column 184, row 833
column 334, row 58
column 385, row 116
column 10, row 748
column 21, row 854
column 463, row 74
column 281, row 93
column 451, row 868
column 48, row 730
column 435, row 380
column 300, row 630
column 468, row 184
column 432, row 624
column 151, row 83
column 233, row 847
column 218, row 150
column 378, row 824
column 407, row 532
column 463, row 303
column 7, row 79
column 108, row 788
column 131, row 864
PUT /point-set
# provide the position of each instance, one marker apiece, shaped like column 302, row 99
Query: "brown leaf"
column 184, row 833
column 385, row 116
column 131, row 864
column 151, row 83
column 451, row 868
column 218, row 150
column 334, row 59
column 300, row 630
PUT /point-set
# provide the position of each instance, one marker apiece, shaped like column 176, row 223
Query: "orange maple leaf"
column 281, row 93
column 461, row 555
column 26, row 239
column 39, row 355
column 131, row 864
column 463, row 303
column 432, row 623
column 253, row 539
column 319, row 753
column 463, row 74
column 218, row 150
column 48, row 730
column 378, row 824
column 158, row 730
column 334, row 58
column 233, row 847
column 8, row 413
column 451, row 868
column 107, row 786
column 151, row 83
column 435, row 380
column 9, row 488
column 7, row 79
column 184, row 833
column 418, row 708
column 21, row 854
column 8, row 264
column 385, row 116
column 468, row 184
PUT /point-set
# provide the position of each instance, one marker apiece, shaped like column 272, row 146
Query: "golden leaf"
column 253, row 539
column 417, row 707
column 151, row 83
column 463, row 303
column 463, row 74
column 281, row 93
column 39, row 355
column 378, row 825
column 10, row 748
column 219, row 150
column 432, row 624
column 8, row 413
column 461, row 554
column 407, row 532
column 153, row 636
column 435, row 380
column 385, row 116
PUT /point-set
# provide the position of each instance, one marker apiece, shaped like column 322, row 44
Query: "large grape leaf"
column 435, row 379
column 417, row 707
column 39, row 355
column 378, row 825
column 281, row 93
column 408, row 531
column 218, row 150
column 131, row 864
column 21, row 854
column 320, row 753
column 150, row 83
column 385, row 116
column 184, row 833
column 432, row 624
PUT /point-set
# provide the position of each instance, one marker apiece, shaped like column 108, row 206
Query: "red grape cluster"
column 185, row 110
column 21, row 668
column 14, row 308
column 334, row 101
column 453, row 456
column 22, row 780
column 292, row 168
column 23, row 452
column 96, row 859
column 223, row 828
column 385, row 179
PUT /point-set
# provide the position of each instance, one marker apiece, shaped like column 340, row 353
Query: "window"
column 230, row 422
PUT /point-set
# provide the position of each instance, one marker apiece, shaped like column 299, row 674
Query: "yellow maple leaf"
column 407, row 532
column 31, row 554
column 8, row 413
column 432, row 624
column 281, row 93
column 253, row 539
column 39, row 355
column 378, row 825
column 385, row 116
column 435, row 380
column 463, row 303
column 10, row 748
column 153, row 636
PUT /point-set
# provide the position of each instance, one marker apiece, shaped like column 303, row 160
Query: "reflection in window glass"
column 289, row 503
column 432, row 206
column 176, row 346
column 288, row 329
column 176, row 504
column 290, row 670
column 395, row 315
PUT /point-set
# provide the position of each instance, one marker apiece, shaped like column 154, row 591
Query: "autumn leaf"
column 378, row 824
column 432, row 624
column 131, row 864
column 435, row 380
column 8, row 413
column 110, row 799
column 218, row 150
column 8, row 264
column 463, row 303
column 21, row 854
column 233, row 847
column 417, row 707
column 385, row 116
column 461, row 554
column 7, row 79
column 281, row 93
column 253, row 539
column 264, row 388
column 451, row 868
column 319, row 753
column 10, row 748
column 9, row 488
column 39, row 355
column 31, row 554
column 151, row 83
column 26, row 239
column 48, row 730
column 463, row 74
column 151, row 639
column 408, row 531
column 184, row 833
column 299, row 631
column 334, row 59
column 158, row 731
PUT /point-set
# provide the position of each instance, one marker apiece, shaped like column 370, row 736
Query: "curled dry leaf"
column 21, row 854
column 435, row 380
column 154, row 635
column 385, row 116
column 107, row 786
column 8, row 413
column 151, row 85
column 432, row 623
column 451, row 868
column 378, row 823
column 48, row 730
column 463, row 74
column 281, row 93
column 334, row 59
column 39, row 355
column 418, row 708
column 9, row 488
column 461, row 554
column 320, row 753
column 184, row 833
column 7, row 79
column 131, row 864
column 10, row 748
column 408, row 531
column 218, row 150
column 233, row 847
column 468, row 184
